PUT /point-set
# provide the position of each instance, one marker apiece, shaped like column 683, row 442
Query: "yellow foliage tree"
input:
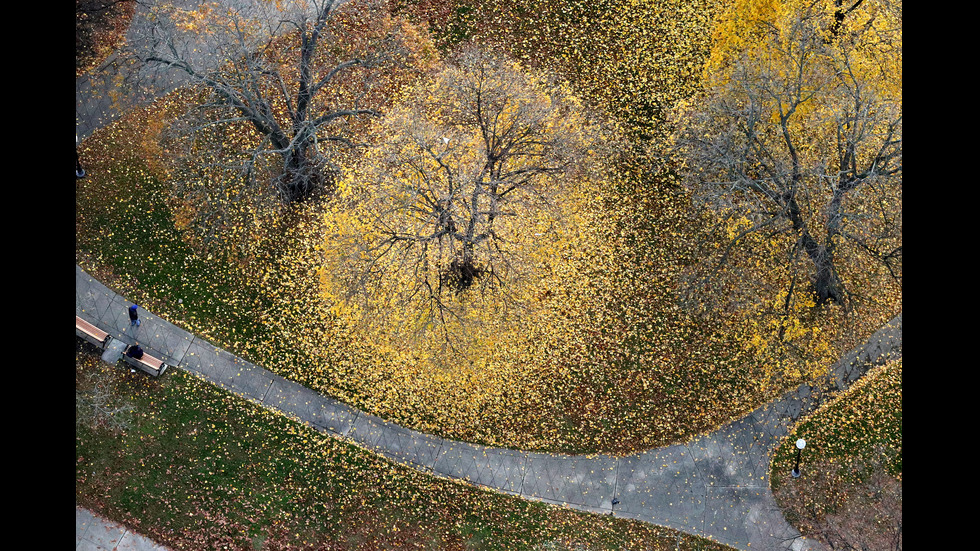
column 446, row 223
column 800, row 133
column 796, row 145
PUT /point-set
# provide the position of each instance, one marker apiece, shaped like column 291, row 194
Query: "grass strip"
column 198, row 467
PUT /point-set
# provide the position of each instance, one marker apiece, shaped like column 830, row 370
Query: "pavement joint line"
column 520, row 490
column 885, row 344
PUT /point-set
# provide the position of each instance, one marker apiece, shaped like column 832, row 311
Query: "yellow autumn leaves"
column 582, row 339
column 400, row 221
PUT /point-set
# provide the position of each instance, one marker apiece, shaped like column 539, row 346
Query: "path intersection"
column 715, row 486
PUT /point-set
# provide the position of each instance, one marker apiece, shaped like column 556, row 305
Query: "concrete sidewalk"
column 715, row 486
column 93, row 533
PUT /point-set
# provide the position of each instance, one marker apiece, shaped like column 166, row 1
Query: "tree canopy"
column 300, row 78
column 452, row 209
column 798, row 137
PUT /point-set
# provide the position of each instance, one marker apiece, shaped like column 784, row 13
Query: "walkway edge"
column 714, row 486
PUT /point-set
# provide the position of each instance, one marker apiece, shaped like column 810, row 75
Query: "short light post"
column 800, row 444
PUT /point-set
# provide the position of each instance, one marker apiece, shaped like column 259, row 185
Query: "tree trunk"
column 464, row 270
column 826, row 283
column 300, row 178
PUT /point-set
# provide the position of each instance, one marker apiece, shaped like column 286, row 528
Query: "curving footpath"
column 716, row 485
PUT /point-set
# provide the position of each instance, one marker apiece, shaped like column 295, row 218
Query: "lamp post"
column 800, row 444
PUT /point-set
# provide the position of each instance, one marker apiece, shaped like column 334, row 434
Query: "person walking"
column 134, row 317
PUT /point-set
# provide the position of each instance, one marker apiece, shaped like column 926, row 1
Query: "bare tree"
column 803, row 140
column 297, row 77
column 469, row 169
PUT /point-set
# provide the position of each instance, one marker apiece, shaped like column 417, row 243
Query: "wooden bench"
column 91, row 333
column 147, row 363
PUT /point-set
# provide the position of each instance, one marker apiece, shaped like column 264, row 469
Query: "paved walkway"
column 93, row 533
column 716, row 485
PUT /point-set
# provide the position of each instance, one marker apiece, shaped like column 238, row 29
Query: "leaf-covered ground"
column 612, row 359
column 100, row 26
column 615, row 358
column 849, row 493
column 199, row 468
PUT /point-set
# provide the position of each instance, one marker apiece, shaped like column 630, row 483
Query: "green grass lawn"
column 200, row 468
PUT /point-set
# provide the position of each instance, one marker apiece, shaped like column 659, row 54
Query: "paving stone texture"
column 714, row 486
